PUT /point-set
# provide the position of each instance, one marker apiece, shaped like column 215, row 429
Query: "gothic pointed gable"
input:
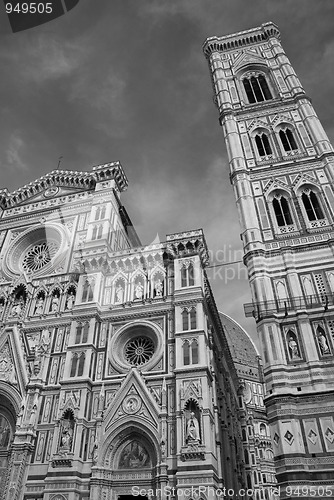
column 275, row 183
column 62, row 183
column 248, row 57
column 134, row 402
column 13, row 367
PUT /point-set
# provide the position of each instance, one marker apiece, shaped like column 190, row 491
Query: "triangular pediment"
column 276, row 183
column 63, row 182
column 51, row 193
column 257, row 123
column 304, row 179
column 248, row 57
column 13, row 370
column 133, row 402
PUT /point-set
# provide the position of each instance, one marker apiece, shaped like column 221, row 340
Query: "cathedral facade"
column 116, row 376
column 282, row 172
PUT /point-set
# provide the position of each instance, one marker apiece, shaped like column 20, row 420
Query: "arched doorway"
column 131, row 459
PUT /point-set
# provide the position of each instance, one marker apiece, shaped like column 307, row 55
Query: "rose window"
column 139, row 350
column 39, row 256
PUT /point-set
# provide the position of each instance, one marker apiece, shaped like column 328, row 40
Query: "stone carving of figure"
column 66, row 435
column 192, row 428
column 55, row 303
column 158, row 286
column 95, row 454
column 1, row 308
column 4, row 436
column 18, row 308
column 39, row 307
column 32, row 417
column 322, row 341
column 293, row 348
column 21, row 412
column 119, row 294
column 139, row 291
column 70, row 301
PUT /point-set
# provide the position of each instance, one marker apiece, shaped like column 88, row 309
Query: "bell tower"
column 281, row 169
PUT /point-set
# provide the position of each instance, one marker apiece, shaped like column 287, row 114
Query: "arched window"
column 186, row 353
column 99, row 232
column 189, row 319
column 187, row 275
column 257, row 89
column 263, row 145
column 78, row 334
column 185, row 323
column 282, row 211
column 85, row 333
column 194, row 352
column 97, row 213
column 288, row 140
column 312, row 206
column 193, row 322
column 190, row 352
column 81, row 364
column 74, row 365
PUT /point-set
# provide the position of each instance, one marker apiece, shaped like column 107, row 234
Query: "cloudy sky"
column 127, row 80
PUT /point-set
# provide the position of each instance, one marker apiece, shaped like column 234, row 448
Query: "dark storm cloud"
column 126, row 80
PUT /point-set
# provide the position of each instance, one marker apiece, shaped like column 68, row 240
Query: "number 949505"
column 29, row 8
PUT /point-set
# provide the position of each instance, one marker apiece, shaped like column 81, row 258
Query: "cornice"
column 236, row 41
column 85, row 181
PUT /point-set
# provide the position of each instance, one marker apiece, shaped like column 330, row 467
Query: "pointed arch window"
column 312, row 206
column 263, row 144
column 187, row 275
column 100, row 213
column 74, row 365
column 81, row 364
column 190, row 352
column 256, row 88
column 282, row 211
column 288, row 140
column 189, row 319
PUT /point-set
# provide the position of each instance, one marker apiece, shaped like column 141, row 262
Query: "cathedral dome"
column 243, row 350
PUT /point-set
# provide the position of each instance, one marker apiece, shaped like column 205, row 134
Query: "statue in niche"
column 17, row 308
column 55, row 303
column 158, row 287
column 192, row 429
column 322, row 341
column 39, row 307
column 4, row 432
column 134, row 456
column 139, row 290
column 70, row 301
column 66, row 434
column 293, row 347
column 119, row 294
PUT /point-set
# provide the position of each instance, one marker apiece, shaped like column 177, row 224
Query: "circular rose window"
column 39, row 255
column 37, row 250
column 138, row 344
column 139, row 350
